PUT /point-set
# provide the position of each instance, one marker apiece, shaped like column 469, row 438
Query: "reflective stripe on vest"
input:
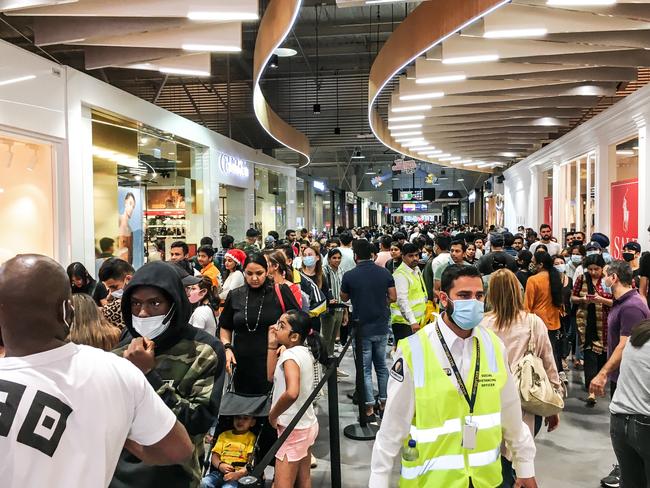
column 475, row 459
column 453, row 425
column 417, row 356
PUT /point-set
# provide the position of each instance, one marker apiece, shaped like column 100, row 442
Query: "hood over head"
column 167, row 277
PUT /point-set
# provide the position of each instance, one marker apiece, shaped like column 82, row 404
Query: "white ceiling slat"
column 140, row 8
column 199, row 62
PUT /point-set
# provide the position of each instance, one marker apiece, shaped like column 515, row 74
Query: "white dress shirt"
column 402, row 286
column 400, row 408
column 440, row 260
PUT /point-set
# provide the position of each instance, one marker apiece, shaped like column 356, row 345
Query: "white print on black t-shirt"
column 45, row 421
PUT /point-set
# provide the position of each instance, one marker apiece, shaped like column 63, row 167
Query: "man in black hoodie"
column 184, row 365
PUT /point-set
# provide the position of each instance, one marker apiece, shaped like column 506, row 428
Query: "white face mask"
column 152, row 327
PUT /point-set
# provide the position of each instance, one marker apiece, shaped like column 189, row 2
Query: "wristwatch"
column 227, row 345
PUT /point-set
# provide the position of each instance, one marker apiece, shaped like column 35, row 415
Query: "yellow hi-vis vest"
column 441, row 412
column 417, row 296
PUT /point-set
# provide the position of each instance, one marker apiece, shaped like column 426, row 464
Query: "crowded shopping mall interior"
column 329, row 243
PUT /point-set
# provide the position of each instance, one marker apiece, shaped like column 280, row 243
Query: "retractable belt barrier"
column 335, row 446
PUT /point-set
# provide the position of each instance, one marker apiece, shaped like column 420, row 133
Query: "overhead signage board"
column 233, row 166
column 349, row 197
column 404, row 165
column 319, row 185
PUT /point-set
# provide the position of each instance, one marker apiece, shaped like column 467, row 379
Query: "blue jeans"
column 374, row 352
column 214, row 479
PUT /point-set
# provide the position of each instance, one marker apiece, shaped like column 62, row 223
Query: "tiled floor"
column 576, row 455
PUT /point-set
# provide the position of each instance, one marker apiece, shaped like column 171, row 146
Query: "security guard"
column 408, row 312
column 451, row 391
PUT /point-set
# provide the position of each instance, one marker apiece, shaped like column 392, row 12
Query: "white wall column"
column 559, row 203
column 535, row 199
column 644, row 187
column 605, row 174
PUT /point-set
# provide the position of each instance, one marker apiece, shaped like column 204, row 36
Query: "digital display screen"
column 414, row 207
column 409, row 195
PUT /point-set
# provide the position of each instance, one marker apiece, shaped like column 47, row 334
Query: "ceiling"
column 515, row 80
column 121, row 44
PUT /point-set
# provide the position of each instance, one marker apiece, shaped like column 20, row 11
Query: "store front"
column 275, row 200
column 26, row 196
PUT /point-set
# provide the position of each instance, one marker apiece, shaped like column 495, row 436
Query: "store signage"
column 548, row 211
column 319, row 185
column 624, row 220
column 349, row 197
column 232, row 165
column 472, row 196
column 402, row 165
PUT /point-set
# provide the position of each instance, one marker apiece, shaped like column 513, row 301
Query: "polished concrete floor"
column 578, row 454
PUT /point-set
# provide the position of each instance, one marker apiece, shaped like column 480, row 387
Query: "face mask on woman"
column 561, row 268
column 576, row 258
column 195, row 296
column 309, row 261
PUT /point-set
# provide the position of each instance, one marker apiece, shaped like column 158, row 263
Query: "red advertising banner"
column 624, row 217
column 548, row 211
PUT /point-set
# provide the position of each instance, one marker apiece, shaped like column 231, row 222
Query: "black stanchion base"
column 357, row 432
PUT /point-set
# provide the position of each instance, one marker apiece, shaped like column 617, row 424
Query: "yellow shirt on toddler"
column 235, row 449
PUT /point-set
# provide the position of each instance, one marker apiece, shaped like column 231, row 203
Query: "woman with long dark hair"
column 543, row 297
column 248, row 313
column 82, row 282
column 593, row 301
column 203, row 302
column 233, row 276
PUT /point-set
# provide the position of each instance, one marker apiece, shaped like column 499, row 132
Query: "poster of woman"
column 130, row 239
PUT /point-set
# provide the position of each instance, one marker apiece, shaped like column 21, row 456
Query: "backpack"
column 535, row 389
column 317, row 300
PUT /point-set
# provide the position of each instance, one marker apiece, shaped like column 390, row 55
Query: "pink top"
column 382, row 258
column 516, row 339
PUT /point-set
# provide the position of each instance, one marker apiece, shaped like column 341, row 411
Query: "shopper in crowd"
column 314, row 284
column 632, row 254
column 628, row 310
column 115, row 274
column 395, row 257
column 199, row 294
column 292, row 375
column 418, row 386
column 593, row 300
column 644, row 274
column 543, row 297
column 337, row 312
column 408, row 312
column 269, row 242
column 486, row 263
column 517, row 329
column 90, row 327
column 282, row 274
column 290, row 235
column 384, row 253
column 227, row 243
column 479, row 244
column 371, row 289
column 524, row 260
column 233, row 261
column 630, row 413
column 107, row 249
column 208, row 268
column 441, row 246
column 518, row 243
column 347, row 259
column 248, row 313
column 250, row 244
column 82, row 282
column 185, row 365
column 603, row 241
column 546, row 238
column 96, row 402
column 566, row 317
column 456, row 256
column 508, row 242
column 577, row 255
column 470, row 254
column 179, row 254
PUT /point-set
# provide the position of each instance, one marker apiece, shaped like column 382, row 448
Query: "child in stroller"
column 231, row 454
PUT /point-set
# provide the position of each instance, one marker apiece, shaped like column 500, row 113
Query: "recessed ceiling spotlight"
column 285, row 52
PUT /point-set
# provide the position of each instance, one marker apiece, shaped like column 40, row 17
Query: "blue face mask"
column 576, row 258
column 309, row 261
column 467, row 314
column 606, row 287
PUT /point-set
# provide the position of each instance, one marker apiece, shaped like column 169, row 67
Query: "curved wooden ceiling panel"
column 275, row 25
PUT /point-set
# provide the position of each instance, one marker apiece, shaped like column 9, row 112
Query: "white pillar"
column 644, row 187
column 605, row 174
column 559, row 202
column 534, row 199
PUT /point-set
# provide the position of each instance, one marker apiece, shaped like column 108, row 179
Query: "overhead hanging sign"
column 349, row 197
column 319, row 185
column 404, row 165
column 234, row 166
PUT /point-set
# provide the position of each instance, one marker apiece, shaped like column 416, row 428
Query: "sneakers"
column 314, row 462
column 564, row 379
column 613, row 479
column 341, row 374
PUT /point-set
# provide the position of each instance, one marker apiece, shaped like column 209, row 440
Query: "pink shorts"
column 297, row 445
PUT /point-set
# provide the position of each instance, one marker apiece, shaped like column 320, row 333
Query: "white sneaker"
column 314, row 462
column 341, row 374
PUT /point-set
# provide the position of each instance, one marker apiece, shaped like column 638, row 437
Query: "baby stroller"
column 235, row 403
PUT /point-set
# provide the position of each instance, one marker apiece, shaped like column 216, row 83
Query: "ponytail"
column 300, row 323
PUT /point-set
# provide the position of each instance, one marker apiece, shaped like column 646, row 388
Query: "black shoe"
column 613, row 479
column 591, row 402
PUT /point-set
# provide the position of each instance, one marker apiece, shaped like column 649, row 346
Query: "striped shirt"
column 334, row 277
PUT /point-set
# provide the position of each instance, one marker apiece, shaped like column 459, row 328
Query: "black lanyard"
column 461, row 384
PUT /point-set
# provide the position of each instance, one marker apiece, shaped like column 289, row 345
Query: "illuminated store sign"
column 233, row 166
column 319, row 185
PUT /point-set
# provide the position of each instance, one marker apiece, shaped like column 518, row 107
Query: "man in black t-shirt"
column 486, row 263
